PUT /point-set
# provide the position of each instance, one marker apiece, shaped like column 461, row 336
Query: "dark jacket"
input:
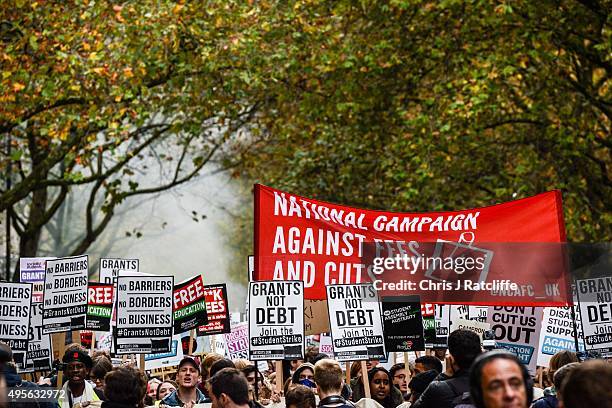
column 445, row 392
column 109, row 404
column 14, row 380
column 548, row 401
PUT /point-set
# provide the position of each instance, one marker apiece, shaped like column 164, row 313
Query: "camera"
column 488, row 340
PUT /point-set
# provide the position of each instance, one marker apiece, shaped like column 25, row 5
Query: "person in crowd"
column 205, row 367
column 499, row 380
column 101, row 366
column 448, row 388
column 304, row 375
column 329, row 379
column 294, row 365
column 381, row 389
column 220, row 365
column 426, row 363
column 311, row 352
column 229, row 389
column 152, row 386
column 551, row 400
column 77, row 390
column 557, row 361
column 419, row 383
column 165, row 388
column 125, row 387
column 440, row 354
column 400, row 378
column 587, row 385
column 187, row 392
column 301, row 397
column 10, row 378
column 255, row 381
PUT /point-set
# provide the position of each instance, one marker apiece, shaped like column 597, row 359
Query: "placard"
column 326, row 346
column 557, row 333
column 403, row 324
column 15, row 307
column 517, row 329
column 442, row 321
column 110, row 267
column 144, row 314
column 356, row 323
column 167, row 359
column 217, row 311
column 237, row 341
column 38, row 357
column 32, row 270
column 189, row 305
column 595, row 297
column 276, row 320
column 65, row 294
column 99, row 306
column 472, row 325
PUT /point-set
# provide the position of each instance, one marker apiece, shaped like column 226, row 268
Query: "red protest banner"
column 217, row 310
column 323, row 243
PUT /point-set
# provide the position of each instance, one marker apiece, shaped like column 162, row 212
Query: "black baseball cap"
column 78, row 355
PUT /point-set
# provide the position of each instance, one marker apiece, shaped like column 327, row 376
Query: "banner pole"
column 279, row 376
column 406, row 363
column 62, row 350
column 93, row 341
column 348, row 373
column 574, row 325
column 142, row 363
column 191, row 334
column 213, row 348
column 365, row 380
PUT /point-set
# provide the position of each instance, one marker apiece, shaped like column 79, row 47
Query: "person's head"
column 228, row 387
column 498, row 379
column 311, row 353
column 220, row 365
column 252, row 375
column 561, row 373
column 240, row 363
column 439, row 353
column 380, row 384
column 426, row 363
column 328, row 377
column 126, row 386
column 303, row 372
column 557, row 361
column 165, row 388
column 295, row 364
column 77, row 366
column 101, row 366
column 464, row 347
column 188, row 373
column 587, row 386
column 207, row 362
column 370, row 364
column 152, row 386
column 300, row 397
column 419, row 383
column 400, row 377
column 355, row 369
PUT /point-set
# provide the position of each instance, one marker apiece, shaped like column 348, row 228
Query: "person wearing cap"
column 78, row 391
column 187, row 379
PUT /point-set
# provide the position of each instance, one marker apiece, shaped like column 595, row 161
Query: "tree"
column 93, row 92
column 421, row 105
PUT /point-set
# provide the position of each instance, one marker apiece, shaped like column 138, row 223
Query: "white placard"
column 237, row 341
column 110, row 267
column 557, row 334
column 517, row 329
column 276, row 320
column 32, row 270
column 356, row 322
column 168, row 359
column 38, row 357
column 144, row 314
column 595, row 296
column 65, row 296
column 472, row 325
column 15, row 306
column 326, row 346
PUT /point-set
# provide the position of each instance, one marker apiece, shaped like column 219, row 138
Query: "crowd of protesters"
column 463, row 376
